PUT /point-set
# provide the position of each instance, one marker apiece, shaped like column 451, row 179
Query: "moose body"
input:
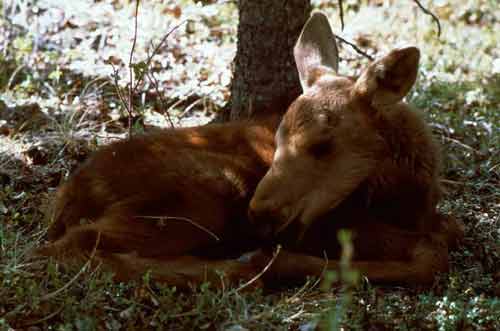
column 165, row 197
column 347, row 154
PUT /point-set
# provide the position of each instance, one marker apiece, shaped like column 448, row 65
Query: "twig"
column 431, row 14
column 72, row 280
column 294, row 316
column 133, row 86
column 117, row 88
column 43, row 319
column 356, row 48
column 306, row 288
column 89, row 84
column 185, row 219
column 155, row 84
column 162, row 41
column 131, row 89
column 325, row 268
column 188, row 108
column 179, row 101
column 13, row 76
column 341, row 14
column 156, row 49
column 494, row 167
column 300, row 292
column 451, row 182
column 275, row 255
column 461, row 144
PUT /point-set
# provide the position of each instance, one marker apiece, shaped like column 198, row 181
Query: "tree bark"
column 265, row 79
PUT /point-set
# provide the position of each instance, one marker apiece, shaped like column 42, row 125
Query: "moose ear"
column 388, row 80
column 316, row 50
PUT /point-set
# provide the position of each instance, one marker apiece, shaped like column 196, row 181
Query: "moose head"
column 329, row 141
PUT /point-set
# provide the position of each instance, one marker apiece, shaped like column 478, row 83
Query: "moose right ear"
column 316, row 50
column 388, row 80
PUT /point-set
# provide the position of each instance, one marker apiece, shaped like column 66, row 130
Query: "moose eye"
column 320, row 149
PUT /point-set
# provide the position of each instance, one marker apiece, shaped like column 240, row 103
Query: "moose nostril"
column 265, row 218
column 265, row 231
column 251, row 214
column 255, row 208
column 256, row 212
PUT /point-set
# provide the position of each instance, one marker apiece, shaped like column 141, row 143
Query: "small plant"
column 347, row 278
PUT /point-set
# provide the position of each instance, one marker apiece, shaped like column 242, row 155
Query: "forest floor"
column 60, row 65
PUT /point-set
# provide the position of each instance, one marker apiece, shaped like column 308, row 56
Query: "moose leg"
column 113, row 253
column 452, row 229
column 181, row 271
column 384, row 256
column 121, row 230
column 79, row 239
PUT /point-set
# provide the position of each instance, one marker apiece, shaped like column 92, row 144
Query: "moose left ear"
column 316, row 50
column 388, row 80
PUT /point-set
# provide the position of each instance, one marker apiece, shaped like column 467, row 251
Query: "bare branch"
column 341, row 14
column 156, row 49
column 131, row 88
column 184, row 219
column 115, row 76
column 72, row 280
column 162, row 41
column 356, row 48
column 152, row 79
column 275, row 255
column 431, row 14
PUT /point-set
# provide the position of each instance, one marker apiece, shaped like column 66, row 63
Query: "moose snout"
column 265, row 216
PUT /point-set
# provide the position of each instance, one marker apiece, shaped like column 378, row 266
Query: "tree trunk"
column 265, row 78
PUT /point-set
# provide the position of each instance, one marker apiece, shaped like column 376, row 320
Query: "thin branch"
column 356, row 48
column 494, row 167
column 133, row 86
column 325, row 268
column 461, row 144
column 189, row 108
column 431, row 14
column 451, row 182
column 131, row 89
column 294, row 316
column 43, row 319
column 13, row 76
column 152, row 79
column 72, row 280
column 157, row 48
column 341, row 14
column 275, row 255
column 116, row 76
column 185, row 219
column 306, row 288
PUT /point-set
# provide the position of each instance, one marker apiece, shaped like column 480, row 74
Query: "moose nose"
column 264, row 217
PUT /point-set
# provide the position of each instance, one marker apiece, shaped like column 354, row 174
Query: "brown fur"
column 195, row 181
column 349, row 155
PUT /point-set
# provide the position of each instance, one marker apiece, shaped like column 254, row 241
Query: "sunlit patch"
column 235, row 180
column 197, row 140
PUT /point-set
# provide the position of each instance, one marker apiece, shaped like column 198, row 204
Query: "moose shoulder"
column 347, row 154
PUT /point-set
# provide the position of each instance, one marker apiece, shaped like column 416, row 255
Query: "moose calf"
column 347, row 154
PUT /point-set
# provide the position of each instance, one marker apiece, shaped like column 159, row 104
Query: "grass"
column 76, row 111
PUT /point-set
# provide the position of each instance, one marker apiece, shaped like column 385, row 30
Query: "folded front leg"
column 426, row 256
column 182, row 272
